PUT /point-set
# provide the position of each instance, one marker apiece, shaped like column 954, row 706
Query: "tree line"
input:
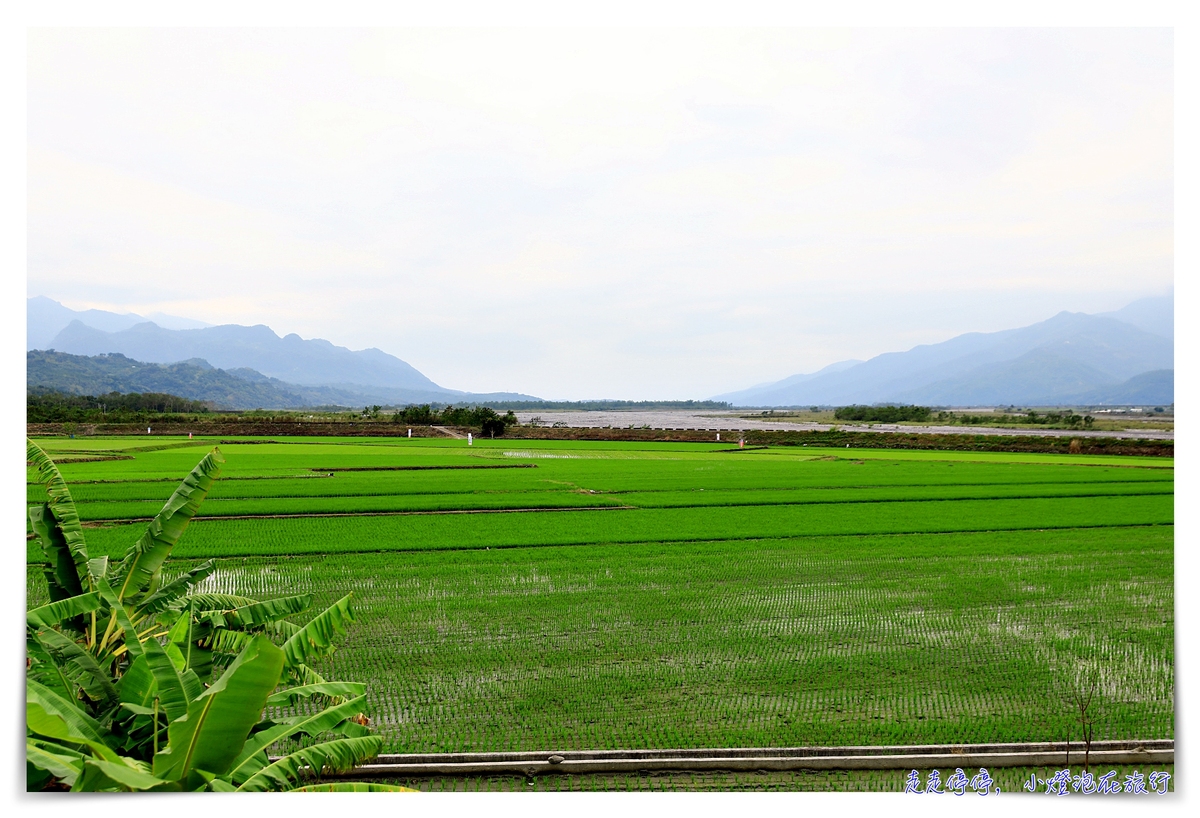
column 486, row 419
column 882, row 414
column 1066, row 418
column 50, row 406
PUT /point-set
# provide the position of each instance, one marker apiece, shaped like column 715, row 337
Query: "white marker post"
column 468, row 438
column 410, row 432
column 718, row 435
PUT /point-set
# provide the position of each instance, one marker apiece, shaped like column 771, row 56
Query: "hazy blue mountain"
column 748, row 396
column 357, row 394
column 1040, row 376
column 292, row 359
column 174, row 321
column 1068, row 355
column 312, row 372
column 1155, row 388
column 196, row 379
column 46, row 318
column 1155, row 315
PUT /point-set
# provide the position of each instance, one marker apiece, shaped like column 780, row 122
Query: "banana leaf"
column 97, row 569
column 53, row 727
column 352, row 786
column 57, row 525
column 223, row 641
column 170, row 594
column 99, row 775
column 137, row 685
column 45, row 710
column 220, row 719
column 305, row 675
column 338, row 755
column 219, row 602
column 78, row 666
column 268, row 611
column 288, row 697
column 59, row 762
column 141, row 568
column 199, row 660
column 192, row 686
column 170, row 687
column 44, row 670
column 47, row 616
column 187, row 645
column 315, row 639
column 253, row 756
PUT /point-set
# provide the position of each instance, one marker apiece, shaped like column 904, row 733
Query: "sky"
column 655, row 213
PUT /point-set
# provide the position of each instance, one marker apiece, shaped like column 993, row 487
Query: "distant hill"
column 314, row 371
column 785, row 384
column 1154, row 315
column 1057, row 360
column 315, row 362
column 196, row 379
column 46, row 318
column 1155, row 388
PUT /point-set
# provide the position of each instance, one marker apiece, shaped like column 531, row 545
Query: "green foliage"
column 1058, row 419
column 111, row 707
column 48, row 372
column 48, row 406
column 56, row 523
column 484, row 418
column 882, row 414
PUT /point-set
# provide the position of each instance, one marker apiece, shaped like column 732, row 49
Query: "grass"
column 778, row 597
column 836, row 640
column 377, row 500
column 318, row 535
column 1011, row 782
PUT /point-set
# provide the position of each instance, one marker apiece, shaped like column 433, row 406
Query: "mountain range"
column 45, row 318
column 299, row 372
column 1122, row 357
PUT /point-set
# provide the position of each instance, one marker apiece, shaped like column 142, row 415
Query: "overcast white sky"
column 603, row 213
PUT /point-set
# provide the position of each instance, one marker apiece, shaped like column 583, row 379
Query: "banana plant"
column 217, row 740
column 135, row 684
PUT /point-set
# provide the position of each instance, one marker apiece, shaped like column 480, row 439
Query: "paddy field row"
column 766, row 598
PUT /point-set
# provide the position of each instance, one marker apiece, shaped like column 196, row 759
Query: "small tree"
column 1079, row 687
column 1085, row 703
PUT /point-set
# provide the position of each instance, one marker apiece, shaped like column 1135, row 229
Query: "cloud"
column 630, row 213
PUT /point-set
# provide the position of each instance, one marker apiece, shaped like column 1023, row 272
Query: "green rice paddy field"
column 541, row 595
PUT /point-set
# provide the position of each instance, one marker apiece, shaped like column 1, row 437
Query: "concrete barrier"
column 767, row 758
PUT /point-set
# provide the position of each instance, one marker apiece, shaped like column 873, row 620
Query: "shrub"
column 136, row 683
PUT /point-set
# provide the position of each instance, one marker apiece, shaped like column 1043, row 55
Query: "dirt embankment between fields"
column 838, row 439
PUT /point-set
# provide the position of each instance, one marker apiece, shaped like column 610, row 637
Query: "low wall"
column 914, row 757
